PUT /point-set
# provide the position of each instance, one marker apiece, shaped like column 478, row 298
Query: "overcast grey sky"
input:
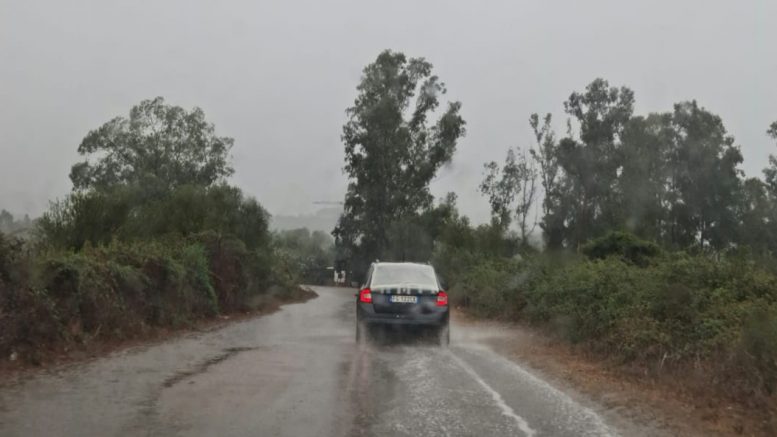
column 277, row 76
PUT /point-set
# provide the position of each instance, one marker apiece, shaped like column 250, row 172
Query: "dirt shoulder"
column 677, row 403
column 11, row 368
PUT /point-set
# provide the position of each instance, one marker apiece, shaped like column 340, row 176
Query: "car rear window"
column 420, row 276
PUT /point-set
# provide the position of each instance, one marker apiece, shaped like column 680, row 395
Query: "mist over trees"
column 151, row 236
column 13, row 225
column 392, row 152
column 511, row 192
column 670, row 177
column 158, row 145
column 311, row 253
column 161, row 171
column 657, row 248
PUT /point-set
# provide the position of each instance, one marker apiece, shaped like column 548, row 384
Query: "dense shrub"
column 151, row 236
column 123, row 289
column 623, row 244
column 491, row 288
column 759, row 346
column 119, row 290
column 129, row 213
column 27, row 315
column 627, row 300
column 694, row 306
column 307, row 253
column 461, row 248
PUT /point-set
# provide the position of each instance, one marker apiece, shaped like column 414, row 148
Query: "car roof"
column 390, row 273
column 394, row 263
column 378, row 264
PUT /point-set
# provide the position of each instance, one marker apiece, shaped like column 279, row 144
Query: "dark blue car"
column 401, row 295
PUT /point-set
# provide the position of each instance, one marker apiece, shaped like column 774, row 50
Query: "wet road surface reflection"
column 299, row 372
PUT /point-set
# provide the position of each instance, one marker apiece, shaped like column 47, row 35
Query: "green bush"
column 623, row 244
column 10, row 254
column 115, row 288
column 634, row 304
column 759, row 341
column 129, row 213
column 489, row 288
column 117, row 260
column 121, row 289
column 307, row 253
column 587, row 299
column 138, row 244
column 27, row 315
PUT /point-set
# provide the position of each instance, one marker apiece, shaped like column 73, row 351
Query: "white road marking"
column 595, row 419
column 506, row 409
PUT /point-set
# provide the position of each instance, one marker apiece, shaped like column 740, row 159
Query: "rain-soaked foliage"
column 654, row 248
column 159, row 146
column 151, row 236
column 635, row 235
column 311, row 254
column 392, row 152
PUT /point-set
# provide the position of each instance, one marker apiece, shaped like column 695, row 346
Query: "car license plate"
column 404, row 299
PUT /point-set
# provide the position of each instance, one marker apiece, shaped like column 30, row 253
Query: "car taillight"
column 365, row 296
column 442, row 299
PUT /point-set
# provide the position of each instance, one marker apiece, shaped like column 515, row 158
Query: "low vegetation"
column 310, row 254
column 655, row 251
column 151, row 237
column 660, row 311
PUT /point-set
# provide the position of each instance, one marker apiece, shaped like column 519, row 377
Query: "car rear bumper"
column 366, row 314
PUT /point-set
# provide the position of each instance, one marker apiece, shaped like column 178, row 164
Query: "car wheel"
column 444, row 336
column 361, row 332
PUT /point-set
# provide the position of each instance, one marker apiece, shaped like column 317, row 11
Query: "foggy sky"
column 277, row 76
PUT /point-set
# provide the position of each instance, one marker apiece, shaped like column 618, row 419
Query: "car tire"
column 361, row 332
column 444, row 336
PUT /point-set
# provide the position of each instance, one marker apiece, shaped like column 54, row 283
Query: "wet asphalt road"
column 298, row 372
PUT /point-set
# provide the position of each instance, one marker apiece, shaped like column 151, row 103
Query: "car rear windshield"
column 404, row 274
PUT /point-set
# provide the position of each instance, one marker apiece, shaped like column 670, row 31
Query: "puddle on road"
column 204, row 366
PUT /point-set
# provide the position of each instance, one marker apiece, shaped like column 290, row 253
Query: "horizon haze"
column 277, row 77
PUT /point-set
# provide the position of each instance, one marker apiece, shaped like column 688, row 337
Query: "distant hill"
column 322, row 220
